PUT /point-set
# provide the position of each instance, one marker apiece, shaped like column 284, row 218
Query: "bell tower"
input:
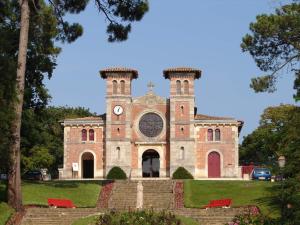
column 118, row 114
column 182, row 115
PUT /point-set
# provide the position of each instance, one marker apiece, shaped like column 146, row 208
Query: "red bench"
column 63, row 203
column 224, row 203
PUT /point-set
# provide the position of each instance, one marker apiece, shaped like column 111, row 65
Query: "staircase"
column 56, row 216
column 158, row 194
column 123, row 195
column 217, row 216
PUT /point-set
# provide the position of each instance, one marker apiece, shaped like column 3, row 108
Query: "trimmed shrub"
column 182, row 173
column 116, row 173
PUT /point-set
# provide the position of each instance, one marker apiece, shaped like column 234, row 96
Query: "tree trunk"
column 14, row 177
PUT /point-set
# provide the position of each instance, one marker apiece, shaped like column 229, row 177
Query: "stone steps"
column 217, row 216
column 158, row 194
column 56, row 216
column 123, row 195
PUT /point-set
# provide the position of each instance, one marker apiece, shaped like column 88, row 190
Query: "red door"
column 214, row 165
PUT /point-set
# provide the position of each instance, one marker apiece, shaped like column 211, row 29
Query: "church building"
column 151, row 136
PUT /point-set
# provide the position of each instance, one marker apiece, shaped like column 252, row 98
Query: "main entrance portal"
column 150, row 163
column 88, row 165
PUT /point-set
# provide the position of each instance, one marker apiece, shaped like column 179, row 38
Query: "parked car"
column 33, row 175
column 261, row 174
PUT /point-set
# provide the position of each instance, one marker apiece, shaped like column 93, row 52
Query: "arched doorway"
column 150, row 163
column 87, row 165
column 214, row 165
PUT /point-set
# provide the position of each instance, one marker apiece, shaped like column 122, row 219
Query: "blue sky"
column 202, row 34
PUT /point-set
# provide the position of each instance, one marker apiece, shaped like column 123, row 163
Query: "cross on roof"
column 150, row 86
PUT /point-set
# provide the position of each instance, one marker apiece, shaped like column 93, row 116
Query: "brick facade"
column 182, row 138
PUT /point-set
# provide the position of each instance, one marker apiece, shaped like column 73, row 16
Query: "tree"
column 125, row 11
column 275, row 45
column 278, row 134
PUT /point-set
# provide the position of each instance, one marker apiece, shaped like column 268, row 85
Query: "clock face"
column 118, row 110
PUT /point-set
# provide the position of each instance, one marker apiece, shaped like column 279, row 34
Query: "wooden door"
column 214, row 165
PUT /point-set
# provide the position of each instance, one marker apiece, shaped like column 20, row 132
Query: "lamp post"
column 281, row 164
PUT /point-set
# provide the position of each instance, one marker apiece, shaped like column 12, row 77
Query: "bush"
column 182, row 173
column 138, row 218
column 116, row 173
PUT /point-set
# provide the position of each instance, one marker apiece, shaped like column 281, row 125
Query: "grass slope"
column 199, row 193
column 5, row 212
column 82, row 193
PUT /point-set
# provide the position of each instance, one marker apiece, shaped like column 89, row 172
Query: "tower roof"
column 168, row 71
column 119, row 70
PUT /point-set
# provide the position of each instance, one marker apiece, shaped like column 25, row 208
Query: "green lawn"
column 199, row 193
column 82, row 193
column 5, row 212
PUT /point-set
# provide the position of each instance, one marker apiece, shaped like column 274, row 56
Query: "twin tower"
column 151, row 136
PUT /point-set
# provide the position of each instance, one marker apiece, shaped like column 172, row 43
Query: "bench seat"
column 224, row 203
column 61, row 203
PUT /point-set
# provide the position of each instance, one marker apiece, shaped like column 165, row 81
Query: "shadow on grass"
column 3, row 190
column 66, row 183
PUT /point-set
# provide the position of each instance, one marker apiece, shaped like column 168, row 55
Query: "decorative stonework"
column 151, row 124
column 150, row 99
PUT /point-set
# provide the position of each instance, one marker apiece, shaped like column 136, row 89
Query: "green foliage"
column 277, row 134
column 249, row 219
column 42, row 136
column 116, row 173
column 275, row 44
column 39, row 157
column 182, row 173
column 138, row 218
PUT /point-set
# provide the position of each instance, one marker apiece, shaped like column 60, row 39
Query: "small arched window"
column 182, row 153
column 91, row 135
column 115, row 87
column 83, row 135
column 122, row 87
column 118, row 153
column 210, row 135
column 182, row 130
column 178, row 87
column 182, row 110
column 217, row 135
column 186, row 87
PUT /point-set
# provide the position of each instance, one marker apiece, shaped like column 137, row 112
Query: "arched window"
column 83, row 135
column 182, row 130
column 118, row 130
column 182, row 110
column 217, row 135
column 122, row 87
column 91, row 135
column 210, row 135
column 178, row 87
column 118, row 153
column 115, row 87
column 186, row 87
column 182, row 153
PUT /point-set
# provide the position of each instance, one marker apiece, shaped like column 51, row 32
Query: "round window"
column 151, row 124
